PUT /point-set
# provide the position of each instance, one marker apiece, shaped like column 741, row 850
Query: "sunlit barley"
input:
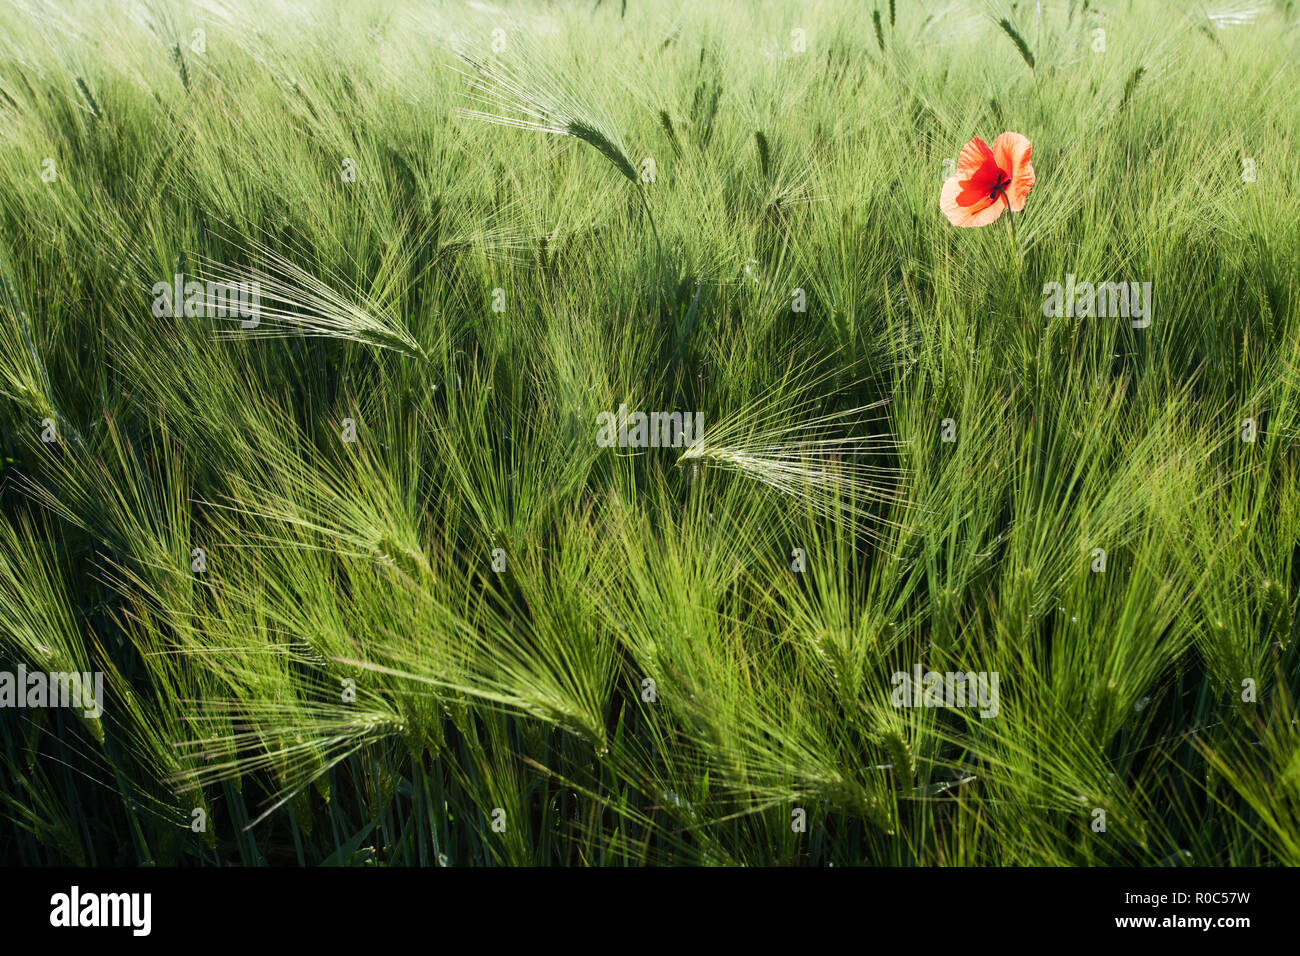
column 809, row 458
column 293, row 301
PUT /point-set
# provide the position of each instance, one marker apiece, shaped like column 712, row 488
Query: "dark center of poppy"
column 1000, row 186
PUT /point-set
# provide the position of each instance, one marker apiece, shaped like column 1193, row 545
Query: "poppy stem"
column 1010, row 225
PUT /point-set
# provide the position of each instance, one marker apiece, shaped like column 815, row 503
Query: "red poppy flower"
column 988, row 181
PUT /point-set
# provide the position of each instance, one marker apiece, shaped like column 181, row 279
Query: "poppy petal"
column 973, row 157
column 1011, row 152
column 977, row 169
column 979, row 212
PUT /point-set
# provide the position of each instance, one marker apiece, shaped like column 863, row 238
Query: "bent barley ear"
column 594, row 137
column 1131, row 85
column 764, row 157
column 810, row 460
column 534, row 96
column 289, row 300
column 666, row 122
column 902, row 758
column 1009, row 29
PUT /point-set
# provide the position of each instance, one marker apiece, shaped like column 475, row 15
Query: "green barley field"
column 572, row 433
